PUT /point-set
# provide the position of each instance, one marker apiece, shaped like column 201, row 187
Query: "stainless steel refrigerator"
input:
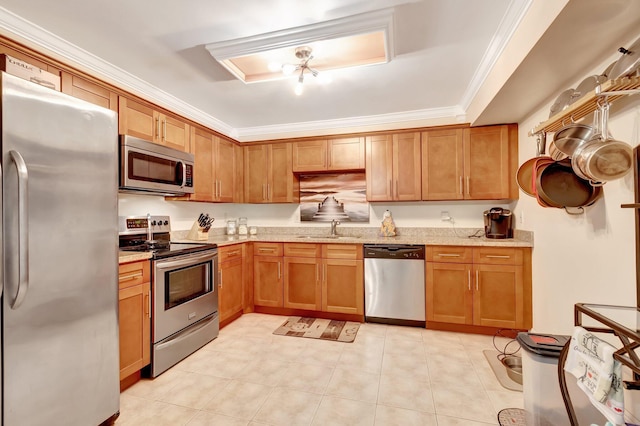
column 60, row 356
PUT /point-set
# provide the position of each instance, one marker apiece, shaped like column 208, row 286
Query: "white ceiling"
column 444, row 51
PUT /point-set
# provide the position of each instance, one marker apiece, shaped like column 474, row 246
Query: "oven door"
column 185, row 291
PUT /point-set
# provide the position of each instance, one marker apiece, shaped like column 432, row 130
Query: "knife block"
column 197, row 234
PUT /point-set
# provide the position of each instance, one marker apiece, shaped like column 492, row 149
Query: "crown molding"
column 37, row 37
column 379, row 20
column 515, row 13
column 446, row 115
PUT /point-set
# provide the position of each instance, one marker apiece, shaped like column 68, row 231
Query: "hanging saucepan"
column 570, row 137
column 525, row 171
column 559, row 187
column 603, row 158
column 540, row 164
column 628, row 63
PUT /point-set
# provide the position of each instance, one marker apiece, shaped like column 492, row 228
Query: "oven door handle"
column 180, row 336
column 187, row 261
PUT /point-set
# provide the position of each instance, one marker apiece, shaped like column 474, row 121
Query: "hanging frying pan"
column 524, row 176
column 558, row 186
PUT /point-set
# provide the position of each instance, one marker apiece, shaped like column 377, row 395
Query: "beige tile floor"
column 389, row 376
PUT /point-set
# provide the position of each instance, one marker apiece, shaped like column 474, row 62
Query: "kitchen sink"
column 331, row 237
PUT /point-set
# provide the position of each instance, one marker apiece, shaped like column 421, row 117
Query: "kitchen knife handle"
column 23, row 229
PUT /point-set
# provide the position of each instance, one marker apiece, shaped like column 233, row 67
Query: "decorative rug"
column 318, row 328
column 501, row 371
column 512, row 417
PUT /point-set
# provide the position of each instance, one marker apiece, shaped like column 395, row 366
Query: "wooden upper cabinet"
column 86, row 90
column 393, row 167
column 477, row 163
column 143, row 121
column 268, row 174
column 224, row 159
column 490, row 162
column 309, row 156
column 442, row 165
column 238, row 191
column 329, row 155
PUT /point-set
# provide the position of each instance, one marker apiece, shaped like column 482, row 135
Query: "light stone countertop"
column 426, row 236
column 132, row 256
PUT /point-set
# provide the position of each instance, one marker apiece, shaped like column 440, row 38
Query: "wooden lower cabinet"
column 230, row 282
column 267, row 274
column 323, row 277
column 492, row 291
column 134, row 304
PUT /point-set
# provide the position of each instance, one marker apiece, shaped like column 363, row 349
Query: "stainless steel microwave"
column 146, row 167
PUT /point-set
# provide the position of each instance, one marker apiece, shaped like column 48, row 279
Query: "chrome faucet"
column 333, row 226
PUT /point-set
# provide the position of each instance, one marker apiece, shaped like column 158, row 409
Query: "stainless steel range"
column 184, row 292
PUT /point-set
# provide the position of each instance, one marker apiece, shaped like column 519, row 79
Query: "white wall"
column 587, row 258
column 466, row 214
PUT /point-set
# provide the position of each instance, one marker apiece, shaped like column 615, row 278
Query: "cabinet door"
column 343, row 286
column 379, row 167
column 345, row 154
column 449, row 293
column 255, row 167
column 442, row 165
column 267, row 281
column 498, row 299
column 486, row 163
column 230, row 288
column 406, row 167
column 136, row 119
column 86, row 90
column 238, row 187
column 281, row 183
column 309, row 156
column 202, row 150
column 225, row 169
column 302, row 288
column 134, row 317
column 174, row 133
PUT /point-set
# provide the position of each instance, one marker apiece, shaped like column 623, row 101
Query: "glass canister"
column 242, row 226
column 231, row 227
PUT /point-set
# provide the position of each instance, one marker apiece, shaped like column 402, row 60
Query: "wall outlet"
column 444, row 216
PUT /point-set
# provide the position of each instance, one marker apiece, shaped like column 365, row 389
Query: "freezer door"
column 60, row 303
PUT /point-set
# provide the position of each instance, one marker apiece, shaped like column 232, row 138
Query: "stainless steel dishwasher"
column 394, row 284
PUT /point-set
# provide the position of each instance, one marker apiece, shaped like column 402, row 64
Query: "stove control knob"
column 153, row 223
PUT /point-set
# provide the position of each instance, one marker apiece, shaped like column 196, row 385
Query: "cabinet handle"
column 279, row 274
column 448, row 255
column 129, row 277
column 391, row 188
column 268, row 192
column 164, row 130
column 461, row 186
column 157, row 127
column 219, row 188
column 266, row 250
column 147, row 304
column 468, row 186
column 318, row 273
column 469, row 279
column 220, row 278
column 496, row 256
column 477, row 278
column 324, row 272
column 215, row 189
column 397, row 193
column 234, row 253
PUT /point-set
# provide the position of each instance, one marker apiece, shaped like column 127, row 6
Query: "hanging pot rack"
column 608, row 91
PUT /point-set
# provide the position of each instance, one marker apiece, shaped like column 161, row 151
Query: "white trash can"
column 543, row 403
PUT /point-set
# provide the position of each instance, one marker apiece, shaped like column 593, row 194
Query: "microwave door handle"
column 23, row 229
column 190, row 260
column 181, row 172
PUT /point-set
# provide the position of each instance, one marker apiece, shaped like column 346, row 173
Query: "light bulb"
column 275, row 66
column 288, row 69
column 298, row 89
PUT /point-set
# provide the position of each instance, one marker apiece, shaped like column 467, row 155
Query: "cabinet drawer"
column 301, row 250
column 497, row 255
column 134, row 273
column 267, row 249
column 230, row 252
column 342, row 251
column 449, row 254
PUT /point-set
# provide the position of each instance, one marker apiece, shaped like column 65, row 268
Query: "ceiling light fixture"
column 304, row 54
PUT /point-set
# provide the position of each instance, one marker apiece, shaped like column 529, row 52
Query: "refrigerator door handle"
column 23, row 229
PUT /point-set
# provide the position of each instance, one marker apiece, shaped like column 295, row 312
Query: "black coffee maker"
column 498, row 223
